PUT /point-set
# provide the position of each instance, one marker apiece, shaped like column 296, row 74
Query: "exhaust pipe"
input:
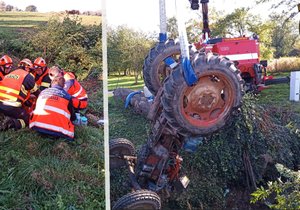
column 280, row 80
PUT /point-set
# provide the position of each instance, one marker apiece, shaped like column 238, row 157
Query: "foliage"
column 126, row 50
column 284, row 37
column 30, row 36
column 237, row 23
column 68, row 43
column 280, row 194
column 286, row 7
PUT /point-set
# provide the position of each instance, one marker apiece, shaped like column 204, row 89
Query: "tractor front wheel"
column 154, row 69
column 141, row 199
column 118, row 149
column 206, row 106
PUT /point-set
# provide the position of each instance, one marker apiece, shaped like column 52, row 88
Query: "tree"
column 2, row 6
column 284, row 36
column 126, row 50
column 9, row 8
column 286, row 6
column 237, row 23
column 68, row 43
column 31, row 8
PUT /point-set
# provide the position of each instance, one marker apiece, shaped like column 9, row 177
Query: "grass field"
column 13, row 24
column 115, row 81
column 31, row 19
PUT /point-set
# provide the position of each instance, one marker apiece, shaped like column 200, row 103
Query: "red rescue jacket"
column 51, row 115
column 12, row 91
column 76, row 91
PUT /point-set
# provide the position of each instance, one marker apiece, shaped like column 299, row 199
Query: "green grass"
column 124, row 82
column 278, row 95
column 124, row 123
column 41, row 173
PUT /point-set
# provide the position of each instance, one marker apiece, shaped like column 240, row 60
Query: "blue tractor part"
column 130, row 95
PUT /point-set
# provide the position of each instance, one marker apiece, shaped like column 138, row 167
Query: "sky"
column 138, row 14
column 57, row 5
column 144, row 14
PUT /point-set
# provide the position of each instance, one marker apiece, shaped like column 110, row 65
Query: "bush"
column 68, row 43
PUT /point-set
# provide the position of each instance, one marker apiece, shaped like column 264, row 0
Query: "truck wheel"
column 154, row 69
column 206, row 106
column 141, row 199
column 117, row 149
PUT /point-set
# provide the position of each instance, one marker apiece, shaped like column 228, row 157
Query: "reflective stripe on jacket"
column 43, row 81
column 76, row 90
column 12, row 90
column 51, row 115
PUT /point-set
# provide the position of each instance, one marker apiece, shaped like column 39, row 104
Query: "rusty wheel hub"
column 206, row 101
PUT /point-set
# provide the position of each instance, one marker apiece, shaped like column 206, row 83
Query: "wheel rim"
column 209, row 101
column 119, row 152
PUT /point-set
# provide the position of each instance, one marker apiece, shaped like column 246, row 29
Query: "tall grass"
column 284, row 64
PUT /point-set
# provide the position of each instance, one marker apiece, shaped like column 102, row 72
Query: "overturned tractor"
column 195, row 95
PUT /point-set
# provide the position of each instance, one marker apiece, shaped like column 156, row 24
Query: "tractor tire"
column 141, row 199
column 206, row 106
column 154, row 68
column 117, row 149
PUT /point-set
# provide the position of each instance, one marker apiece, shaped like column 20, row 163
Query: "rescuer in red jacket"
column 5, row 65
column 54, row 112
column 42, row 78
column 15, row 90
column 72, row 86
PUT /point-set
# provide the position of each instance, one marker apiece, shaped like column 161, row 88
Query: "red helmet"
column 5, row 60
column 26, row 64
column 39, row 62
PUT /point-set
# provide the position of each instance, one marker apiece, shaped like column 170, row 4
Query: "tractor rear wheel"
column 206, row 106
column 118, row 148
column 141, row 199
column 154, row 69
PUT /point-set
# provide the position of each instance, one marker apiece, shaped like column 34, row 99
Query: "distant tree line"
column 77, row 12
column 33, row 8
column 10, row 8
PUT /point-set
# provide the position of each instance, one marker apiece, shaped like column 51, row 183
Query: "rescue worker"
column 5, row 65
column 42, row 78
column 54, row 111
column 72, row 86
column 26, row 65
column 15, row 90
